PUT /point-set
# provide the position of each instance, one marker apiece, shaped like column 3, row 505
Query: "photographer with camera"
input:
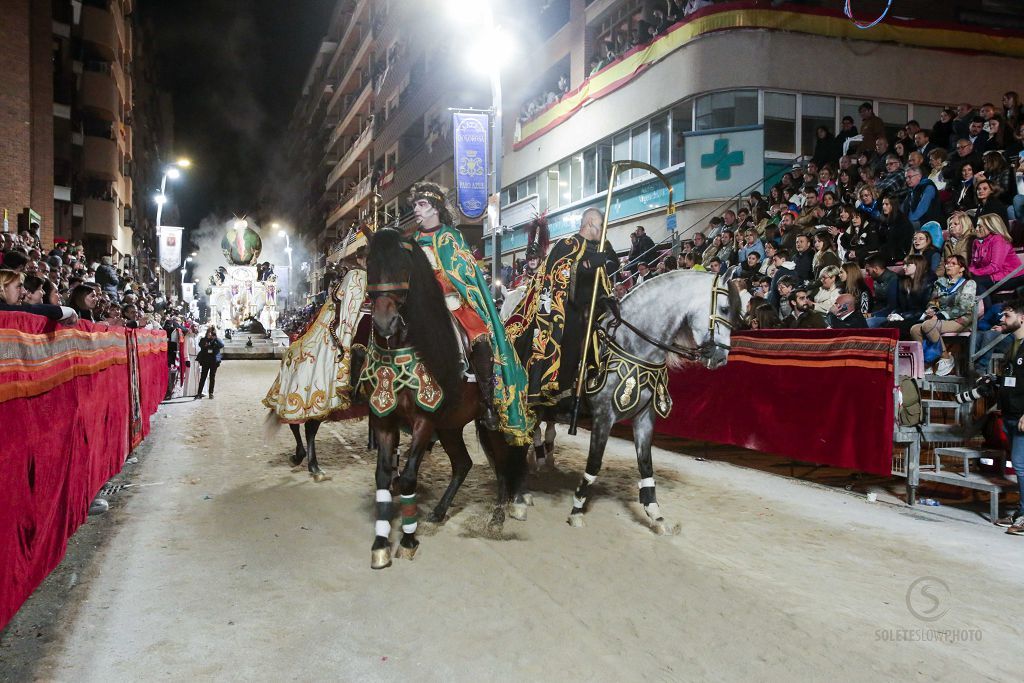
column 1009, row 391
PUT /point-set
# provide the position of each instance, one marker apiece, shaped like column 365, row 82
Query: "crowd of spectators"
column 909, row 232
column 656, row 19
column 63, row 284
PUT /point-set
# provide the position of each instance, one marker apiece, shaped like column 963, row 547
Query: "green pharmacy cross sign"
column 722, row 160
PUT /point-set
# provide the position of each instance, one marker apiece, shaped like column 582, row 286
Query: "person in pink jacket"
column 993, row 257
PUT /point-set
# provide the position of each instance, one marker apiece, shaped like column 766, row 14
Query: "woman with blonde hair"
column 959, row 236
column 992, row 255
column 828, row 292
column 12, row 295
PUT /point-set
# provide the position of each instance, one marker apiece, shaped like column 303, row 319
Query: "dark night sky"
column 234, row 69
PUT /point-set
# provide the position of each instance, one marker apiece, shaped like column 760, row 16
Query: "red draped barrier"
column 821, row 396
column 66, row 400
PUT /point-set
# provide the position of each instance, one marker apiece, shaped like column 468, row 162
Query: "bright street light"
column 173, row 173
column 160, row 199
column 183, row 162
column 491, row 51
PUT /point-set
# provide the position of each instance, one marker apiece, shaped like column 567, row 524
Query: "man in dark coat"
column 844, row 314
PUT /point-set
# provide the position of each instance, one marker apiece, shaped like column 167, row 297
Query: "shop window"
column 817, row 111
column 780, row 122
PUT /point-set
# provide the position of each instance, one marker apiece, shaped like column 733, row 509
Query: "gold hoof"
column 380, row 559
column 403, row 553
column 575, row 521
column 320, row 476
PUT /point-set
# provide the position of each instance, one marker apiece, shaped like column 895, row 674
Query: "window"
column 521, row 189
column 641, row 149
column 682, row 122
column 727, row 110
column 564, row 196
column 620, row 152
column 604, row 164
column 659, row 142
column 590, row 172
column 849, row 107
column 551, row 181
column 927, row 116
column 576, row 177
column 780, row 122
column 894, row 115
column 817, row 111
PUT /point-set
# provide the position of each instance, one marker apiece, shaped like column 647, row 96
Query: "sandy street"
column 234, row 567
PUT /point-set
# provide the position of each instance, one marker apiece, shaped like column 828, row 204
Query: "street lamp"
column 173, row 172
column 492, row 50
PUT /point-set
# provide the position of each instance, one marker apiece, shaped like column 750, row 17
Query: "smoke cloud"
column 206, row 244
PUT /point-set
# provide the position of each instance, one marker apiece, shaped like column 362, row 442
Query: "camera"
column 984, row 387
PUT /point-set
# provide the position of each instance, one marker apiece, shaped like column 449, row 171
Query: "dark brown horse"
column 413, row 360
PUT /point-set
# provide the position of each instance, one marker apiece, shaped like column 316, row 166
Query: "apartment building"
column 373, row 119
column 67, row 84
column 741, row 86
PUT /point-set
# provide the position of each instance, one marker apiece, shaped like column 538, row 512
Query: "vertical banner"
column 170, row 248
column 471, row 133
column 188, row 291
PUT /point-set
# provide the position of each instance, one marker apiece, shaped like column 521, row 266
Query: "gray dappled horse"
column 680, row 315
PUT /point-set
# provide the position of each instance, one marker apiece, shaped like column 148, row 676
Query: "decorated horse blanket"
column 314, row 382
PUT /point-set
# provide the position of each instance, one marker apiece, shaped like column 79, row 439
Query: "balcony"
column 414, row 103
column 124, row 139
column 353, row 107
column 101, row 218
column 100, row 30
column 350, row 201
column 100, row 96
column 129, row 190
column 357, row 148
column 100, row 159
column 419, row 165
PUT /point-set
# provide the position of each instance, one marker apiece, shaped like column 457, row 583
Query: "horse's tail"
column 271, row 425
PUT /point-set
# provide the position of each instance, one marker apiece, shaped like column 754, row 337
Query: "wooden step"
column 936, row 403
column 965, row 453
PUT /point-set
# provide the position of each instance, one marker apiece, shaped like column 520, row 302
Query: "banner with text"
column 471, row 134
column 170, row 248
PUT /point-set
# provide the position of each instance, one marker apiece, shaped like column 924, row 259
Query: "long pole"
column 497, row 153
column 160, row 204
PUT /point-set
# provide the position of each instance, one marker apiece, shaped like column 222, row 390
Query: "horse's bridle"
column 698, row 353
column 394, row 291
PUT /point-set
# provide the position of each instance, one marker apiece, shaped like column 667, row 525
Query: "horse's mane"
column 426, row 316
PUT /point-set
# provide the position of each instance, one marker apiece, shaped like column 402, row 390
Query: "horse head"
column 724, row 316
column 408, row 307
column 388, row 270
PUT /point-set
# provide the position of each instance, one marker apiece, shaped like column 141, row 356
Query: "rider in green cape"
column 500, row 376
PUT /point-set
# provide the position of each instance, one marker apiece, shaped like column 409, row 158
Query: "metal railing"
column 974, row 353
column 721, row 207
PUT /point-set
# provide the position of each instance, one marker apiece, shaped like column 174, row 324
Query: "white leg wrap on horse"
column 383, row 496
column 647, row 482
column 589, row 478
column 382, row 527
column 410, row 528
column 578, row 502
column 653, row 511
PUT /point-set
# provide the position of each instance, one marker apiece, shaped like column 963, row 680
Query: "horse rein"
column 702, row 352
